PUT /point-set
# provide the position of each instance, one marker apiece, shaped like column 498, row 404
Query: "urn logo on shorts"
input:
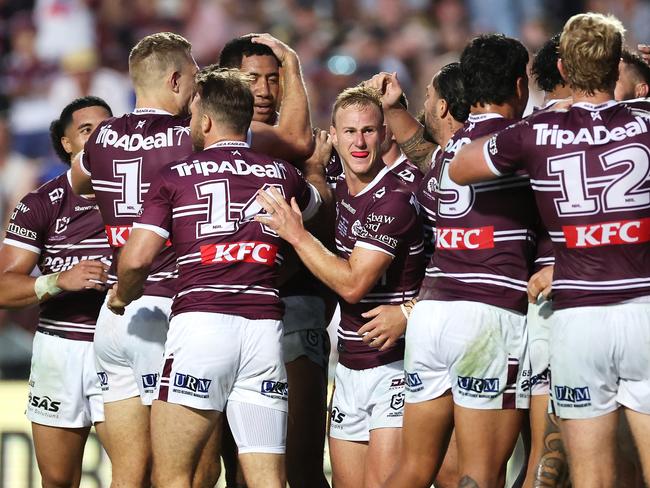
column 413, row 381
column 275, row 389
column 478, row 385
column 397, row 383
column 149, row 381
column 103, row 378
column 193, row 384
column 572, row 395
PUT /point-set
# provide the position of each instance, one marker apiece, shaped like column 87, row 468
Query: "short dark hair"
column 448, row 83
column 58, row 126
column 234, row 51
column 636, row 62
column 544, row 68
column 226, row 94
column 490, row 65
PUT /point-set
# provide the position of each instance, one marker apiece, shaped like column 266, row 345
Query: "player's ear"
column 67, row 145
column 174, row 81
column 641, row 90
column 442, row 108
column 560, row 68
column 206, row 123
column 335, row 140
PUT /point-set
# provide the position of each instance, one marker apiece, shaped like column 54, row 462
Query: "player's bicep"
column 470, row 164
column 15, row 259
column 368, row 266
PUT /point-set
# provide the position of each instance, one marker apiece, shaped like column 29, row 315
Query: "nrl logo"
column 61, row 225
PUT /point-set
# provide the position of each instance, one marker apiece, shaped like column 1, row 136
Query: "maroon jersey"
column 205, row 203
column 589, row 168
column 382, row 217
column 63, row 229
column 123, row 156
column 426, row 196
column 484, row 232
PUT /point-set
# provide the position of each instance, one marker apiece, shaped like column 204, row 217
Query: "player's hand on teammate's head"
column 644, row 52
column 281, row 50
column 540, row 283
column 281, row 217
column 322, row 149
column 389, row 86
column 386, row 326
column 85, row 275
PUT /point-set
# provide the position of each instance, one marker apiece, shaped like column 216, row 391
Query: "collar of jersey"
column 147, row 111
column 595, row 108
column 229, row 144
column 400, row 159
column 374, row 182
column 482, row 117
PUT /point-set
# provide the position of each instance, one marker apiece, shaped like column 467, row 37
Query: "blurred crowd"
column 52, row 51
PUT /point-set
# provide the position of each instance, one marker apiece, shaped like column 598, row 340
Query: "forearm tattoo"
column 418, row 150
column 552, row 470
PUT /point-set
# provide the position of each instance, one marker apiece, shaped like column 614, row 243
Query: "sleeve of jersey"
column 156, row 213
column 307, row 197
column 504, row 150
column 27, row 228
column 388, row 221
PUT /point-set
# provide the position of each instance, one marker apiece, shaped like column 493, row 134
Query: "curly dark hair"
column 544, row 68
column 490, row 65
column 58, row 126
column 234, row 51
column 636, row 62
column 448, row 83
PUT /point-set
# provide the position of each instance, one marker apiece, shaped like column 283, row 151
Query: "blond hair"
column 155, row 54
column 590, row 49
column 362, row 96
column 226, row 94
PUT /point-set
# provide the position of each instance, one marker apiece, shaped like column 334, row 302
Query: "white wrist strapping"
column 46, row 285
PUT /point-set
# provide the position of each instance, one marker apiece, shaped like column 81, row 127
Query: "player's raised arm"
column 470, row 164
column 291, row 139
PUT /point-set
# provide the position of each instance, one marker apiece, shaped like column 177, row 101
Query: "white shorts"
column 211, row 358
column 600, row 359
column 64, row 387
column 538, row 323
column 478, row 351
column 129, row 348
column 366, row 399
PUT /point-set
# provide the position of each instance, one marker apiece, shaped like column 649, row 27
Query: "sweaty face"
column 196, row 132
column 358, row 136
column 626, row 83
column 265, row 86
column 82, row 125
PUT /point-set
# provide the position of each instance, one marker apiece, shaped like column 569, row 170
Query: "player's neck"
column 596, row 98
column 217, row 137
column 357, row 182
column 504, row 109
column 158, row 103
column 391, row 155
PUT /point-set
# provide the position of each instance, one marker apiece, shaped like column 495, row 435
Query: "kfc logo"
column 465, row 239
column 608, row 233
column 247, row 252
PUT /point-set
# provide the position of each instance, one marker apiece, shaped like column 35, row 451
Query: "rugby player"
column 466, row 361
column 224, row 345
column 633, row 77
column 306, row 343
column 589, row 202
column 63, row 235
column 445, row 111
column 380, row 260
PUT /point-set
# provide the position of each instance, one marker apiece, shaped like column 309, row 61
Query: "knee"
column 58, row 479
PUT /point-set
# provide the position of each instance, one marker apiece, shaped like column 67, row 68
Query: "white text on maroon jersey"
column 248, row 252
column 236, row 167
column 597, row 135
column 459, row 238
column 608, row 233
column 173, row 136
